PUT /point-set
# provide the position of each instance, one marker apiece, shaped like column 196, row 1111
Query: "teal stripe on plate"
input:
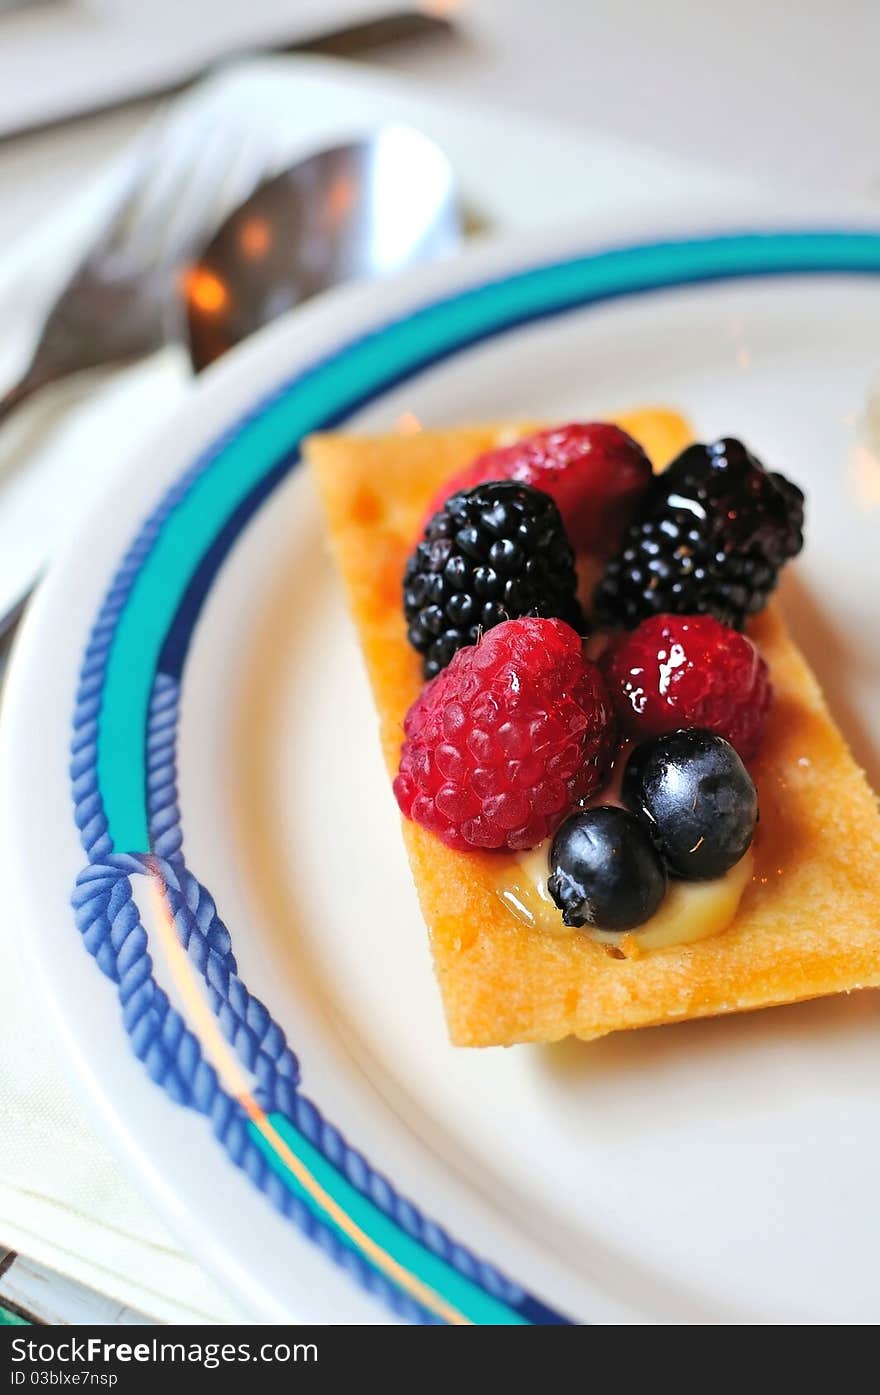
column 473, row 1302
column 10, row 1319
column 363, row 369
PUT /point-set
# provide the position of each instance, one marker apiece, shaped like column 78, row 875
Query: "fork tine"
column 224, row 174
column 126, row 215
column 253, row 162
column 182, row 148
column 192, row 170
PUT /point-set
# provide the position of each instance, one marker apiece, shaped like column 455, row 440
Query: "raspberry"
column 708, row 538
column 594, row 472
column 490, row 554
column 508, row 739
column 690, row 671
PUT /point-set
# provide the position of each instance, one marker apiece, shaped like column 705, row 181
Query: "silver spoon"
column 364, row 210
column 370, row 208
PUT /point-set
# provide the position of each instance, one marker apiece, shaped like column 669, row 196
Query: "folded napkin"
column 64, row 1199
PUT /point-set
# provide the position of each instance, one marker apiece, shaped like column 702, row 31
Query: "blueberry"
column 696, row 798
column 605, row 871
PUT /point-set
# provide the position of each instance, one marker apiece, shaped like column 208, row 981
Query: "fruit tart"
column 624, row 799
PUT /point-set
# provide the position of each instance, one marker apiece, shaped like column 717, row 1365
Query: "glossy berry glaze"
column 605, row 871
column 696, row 800
column 486, row 762
column 690, row 671
column 708, row 538
column 594, row 472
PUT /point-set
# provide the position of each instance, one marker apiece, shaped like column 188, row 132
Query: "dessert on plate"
column 624, row 799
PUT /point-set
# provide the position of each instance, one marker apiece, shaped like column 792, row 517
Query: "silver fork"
column 118, row 305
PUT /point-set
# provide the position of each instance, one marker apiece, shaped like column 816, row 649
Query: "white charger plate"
column 717, row 1171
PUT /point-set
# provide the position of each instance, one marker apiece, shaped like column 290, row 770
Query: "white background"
column 786, row 90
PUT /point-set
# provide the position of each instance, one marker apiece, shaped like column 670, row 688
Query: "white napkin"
column 64, row 1200
column 59, row 60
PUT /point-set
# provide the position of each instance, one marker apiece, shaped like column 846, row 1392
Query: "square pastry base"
column 808, row 924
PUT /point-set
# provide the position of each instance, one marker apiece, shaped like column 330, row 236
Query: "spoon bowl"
column 367, row 209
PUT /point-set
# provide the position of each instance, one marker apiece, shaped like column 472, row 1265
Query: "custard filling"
column 690, row 911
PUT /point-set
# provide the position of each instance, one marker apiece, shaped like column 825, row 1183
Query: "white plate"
column 720, row 1171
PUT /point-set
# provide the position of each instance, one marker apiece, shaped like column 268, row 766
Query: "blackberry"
column 492, row 553
column 709, row 538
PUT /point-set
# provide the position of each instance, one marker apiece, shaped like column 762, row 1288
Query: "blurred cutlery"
column 366, row 209
column 371, row 208
column 118, row 303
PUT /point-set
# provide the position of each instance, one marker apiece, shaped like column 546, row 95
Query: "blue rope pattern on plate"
column 112, row 931
column 166, row 835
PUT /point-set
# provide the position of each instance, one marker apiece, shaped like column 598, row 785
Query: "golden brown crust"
column 808, row 925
